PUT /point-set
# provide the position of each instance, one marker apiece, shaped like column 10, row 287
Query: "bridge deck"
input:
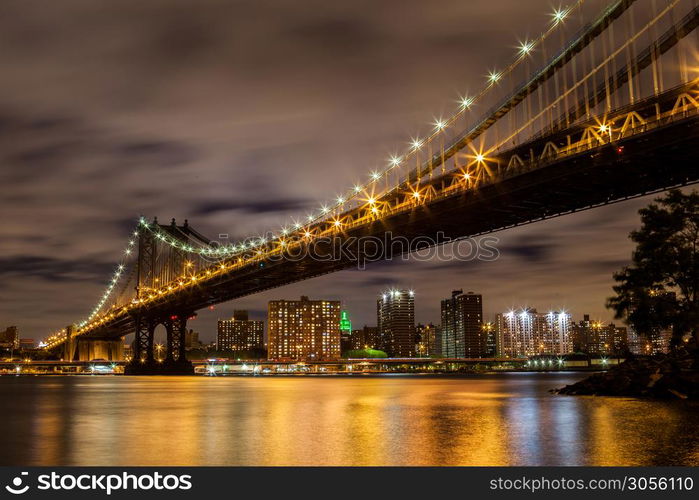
column 661, row 154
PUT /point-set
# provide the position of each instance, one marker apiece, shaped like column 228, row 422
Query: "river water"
column 499, row 419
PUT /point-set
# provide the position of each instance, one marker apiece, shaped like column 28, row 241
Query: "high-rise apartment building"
column 395, row 314
column 366, row 338
column 426, row 340
column 462, row 322
column 303, row 329
column 239, row 333
column 595, row 337
column 529, row 333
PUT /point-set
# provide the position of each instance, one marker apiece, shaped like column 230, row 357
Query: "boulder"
column 674, row 375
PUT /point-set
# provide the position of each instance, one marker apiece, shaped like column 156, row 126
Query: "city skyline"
column 262, row 315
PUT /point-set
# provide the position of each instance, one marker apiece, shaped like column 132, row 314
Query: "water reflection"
column 394, row 420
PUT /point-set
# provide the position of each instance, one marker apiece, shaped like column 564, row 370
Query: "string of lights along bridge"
column 600, row 107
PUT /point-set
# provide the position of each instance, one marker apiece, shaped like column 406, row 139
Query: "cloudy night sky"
column 237, row 115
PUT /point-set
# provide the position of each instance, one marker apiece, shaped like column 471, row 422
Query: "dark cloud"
column 273, row 205
column 529, row 249
column 54, row 270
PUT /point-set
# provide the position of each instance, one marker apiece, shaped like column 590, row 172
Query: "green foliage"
column 365, row 353
column 659, row 288
column 200, row 354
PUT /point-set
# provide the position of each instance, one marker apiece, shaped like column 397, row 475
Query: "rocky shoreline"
column 671, row 376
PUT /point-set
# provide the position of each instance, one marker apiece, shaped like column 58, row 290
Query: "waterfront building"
column 634, row 341
column 9, row 339
column 26, row 343
column 366, row 338
column 659, row 341
column 595, row 337
column 191, row 340
column 304, row 329
column 462, row 322
column 395, row 314
column 491, row 345
column 425, row 340
column 238, row 333
column 529, row 333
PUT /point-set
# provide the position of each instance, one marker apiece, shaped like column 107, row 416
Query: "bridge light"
column 467, row 176
column 307, row 234
column 127, row 251
column 480, row 158
column 371, row 200
column 440, row 124
column 395, row 161
column 466, row 102
column 493, row 76
column 559, row 15
column 357, row 188
column 604, row 128
column 416, row 195
column 525, row 48
column 340, row 200
column 375, row 210
column 416, row 143
column 338, row 223
column 375, row 175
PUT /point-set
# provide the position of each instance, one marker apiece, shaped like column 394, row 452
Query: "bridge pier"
column 109, row 350
column 69, row 344
column 144, row 361
column 88, row 349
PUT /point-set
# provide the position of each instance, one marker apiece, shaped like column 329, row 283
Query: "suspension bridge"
column 603, row 106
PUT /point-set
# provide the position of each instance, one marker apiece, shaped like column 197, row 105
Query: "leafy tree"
column 659, row 288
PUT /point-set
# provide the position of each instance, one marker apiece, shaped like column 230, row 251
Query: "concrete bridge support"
column 69, row 344
column 91, row 349
column 88, row 349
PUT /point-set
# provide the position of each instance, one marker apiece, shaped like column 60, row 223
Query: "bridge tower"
column 158, row 264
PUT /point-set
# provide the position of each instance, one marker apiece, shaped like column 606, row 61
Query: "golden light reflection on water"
column 506, row 419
